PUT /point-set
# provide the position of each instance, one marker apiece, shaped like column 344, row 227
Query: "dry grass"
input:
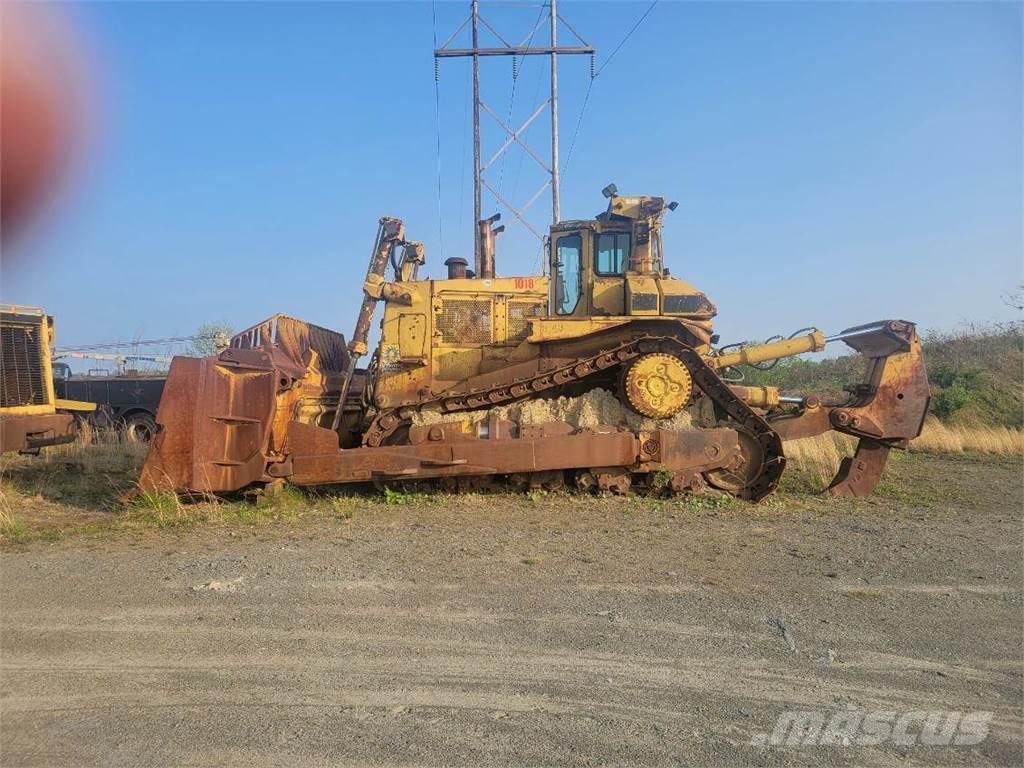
column 104, row 448
column 10, row 525
column 818, row 458
column 86, row 474
column 941, row 438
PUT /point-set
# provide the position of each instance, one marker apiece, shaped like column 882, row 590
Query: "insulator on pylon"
column 515, row 67
column 437, row 70
column 593, row 67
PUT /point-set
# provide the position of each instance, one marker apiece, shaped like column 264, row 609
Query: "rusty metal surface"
column 390, row 232
column 541, row 448
column 296, row 340
column 229, row 421
column 885, row 411
column 27, row 433
column 277, row 403
column 316, row 462
column 772, row 459
column 858, row 475
column 214, row 423
column 894, row 401
column 807, row 423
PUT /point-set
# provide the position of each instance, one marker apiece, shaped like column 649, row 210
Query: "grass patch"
column 940, row 438
column 90, row 475
column 160, row 510
column 11, row 526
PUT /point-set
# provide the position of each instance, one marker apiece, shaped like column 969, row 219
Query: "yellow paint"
column 759, row 397
column 812, row 342
column 412, row 337
column 658, row 386
column 608, row 296
column 641, row 289
column 45, row 344
column 437, row 334
column 74, row 405
column 452, row 330
column 555, row 329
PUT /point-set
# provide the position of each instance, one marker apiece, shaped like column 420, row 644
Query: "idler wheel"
column 744, row 469
column 658, row 385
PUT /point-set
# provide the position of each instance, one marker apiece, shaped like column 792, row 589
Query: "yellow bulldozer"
column 604, row 372
column 31, row 415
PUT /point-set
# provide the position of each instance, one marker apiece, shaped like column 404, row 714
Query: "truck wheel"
column 139, row 428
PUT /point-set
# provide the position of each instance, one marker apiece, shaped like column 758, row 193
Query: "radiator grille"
column 645, row 301
column 21, row 377
column 519, row 315
column 677, row 305
column 465, row 322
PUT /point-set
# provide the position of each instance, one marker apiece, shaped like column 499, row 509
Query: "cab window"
column 568, row 277
column 612, row 253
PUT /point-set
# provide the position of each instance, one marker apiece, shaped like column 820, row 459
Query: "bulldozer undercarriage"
column 690, row 454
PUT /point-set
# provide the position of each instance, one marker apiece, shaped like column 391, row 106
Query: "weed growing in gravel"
column 394, row 497
column 11, row 527
column 535, row 494
column 159, row 509
column 284, row 502
column 342, row 507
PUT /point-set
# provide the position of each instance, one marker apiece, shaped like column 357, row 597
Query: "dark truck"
column 126, row 401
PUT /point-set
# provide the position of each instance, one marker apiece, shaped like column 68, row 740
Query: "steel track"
column 773, row 460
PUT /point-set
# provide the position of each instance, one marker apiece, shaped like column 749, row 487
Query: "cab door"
column 611, row 260
column 569, row 275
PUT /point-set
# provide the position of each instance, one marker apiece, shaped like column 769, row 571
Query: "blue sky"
column 835, row 163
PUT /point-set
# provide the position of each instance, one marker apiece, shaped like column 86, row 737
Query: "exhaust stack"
column 488, row 236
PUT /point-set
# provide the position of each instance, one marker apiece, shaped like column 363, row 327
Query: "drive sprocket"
column 658, row 385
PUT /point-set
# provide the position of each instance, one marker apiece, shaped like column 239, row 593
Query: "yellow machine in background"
column 31, row 416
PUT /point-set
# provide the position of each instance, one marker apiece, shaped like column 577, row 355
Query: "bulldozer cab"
column 612, row 265
column 589, row 268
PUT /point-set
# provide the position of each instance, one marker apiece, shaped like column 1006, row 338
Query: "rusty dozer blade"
column 222, row 420
column 884, row 412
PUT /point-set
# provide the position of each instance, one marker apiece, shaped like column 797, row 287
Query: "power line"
column 628, row 35
column 516, row 71
column 593, row 77
column 579, row 123
column 138, row 343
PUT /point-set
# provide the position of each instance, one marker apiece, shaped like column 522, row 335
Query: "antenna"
column 513, row 136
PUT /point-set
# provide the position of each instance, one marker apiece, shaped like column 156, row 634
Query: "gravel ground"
column 517, row 630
